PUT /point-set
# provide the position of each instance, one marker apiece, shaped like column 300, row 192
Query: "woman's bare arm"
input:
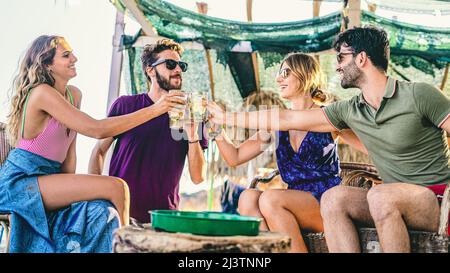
column 273, row 119
column 249, row 149
column 349, row 137
column 49, row 100
column 70, row 162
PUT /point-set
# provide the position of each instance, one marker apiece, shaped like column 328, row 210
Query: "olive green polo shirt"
column 404, row 136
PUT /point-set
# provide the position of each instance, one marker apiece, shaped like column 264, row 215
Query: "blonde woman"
column 38, row 184
column 307, row 161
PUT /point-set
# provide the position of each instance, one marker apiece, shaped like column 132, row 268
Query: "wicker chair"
column 4, row 150
column 365, row 175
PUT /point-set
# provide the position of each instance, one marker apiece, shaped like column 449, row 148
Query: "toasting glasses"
column 193, row 111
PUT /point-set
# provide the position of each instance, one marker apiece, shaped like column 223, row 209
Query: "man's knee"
column 418, row 208
column 382, row 204
column 248, row 201
column 333, row 201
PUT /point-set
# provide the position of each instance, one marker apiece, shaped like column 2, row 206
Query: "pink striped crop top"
column 53, row 142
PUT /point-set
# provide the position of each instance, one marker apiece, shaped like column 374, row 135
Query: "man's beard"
column 165, row 83
column 352, row 76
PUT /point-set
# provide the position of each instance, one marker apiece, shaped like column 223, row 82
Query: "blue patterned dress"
column 313, row 168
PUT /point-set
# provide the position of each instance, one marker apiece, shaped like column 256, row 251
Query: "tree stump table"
column 133, row 239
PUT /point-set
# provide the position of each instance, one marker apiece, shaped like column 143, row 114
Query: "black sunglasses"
column 171, row 64
column 341, row 55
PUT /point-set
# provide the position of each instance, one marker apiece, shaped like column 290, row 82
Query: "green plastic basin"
column 205, row 223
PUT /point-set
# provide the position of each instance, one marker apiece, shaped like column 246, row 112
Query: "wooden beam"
column 316, row 13
column 354, row 13
column 116, row 61
column 372, row 7
column 203, row 9
column 147, row 27
column 249, row 10
column 398, row 72
column 144, row 40
column 444, row 78
column 254, row 56
column 211, row 75
column 316, row 7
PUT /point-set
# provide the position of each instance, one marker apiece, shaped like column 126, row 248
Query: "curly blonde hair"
column 33, row 71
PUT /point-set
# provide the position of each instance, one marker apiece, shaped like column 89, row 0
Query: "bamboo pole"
column 147, row 27
column 203, row 9
column 116, row 61
column 398, row 72
column 316, row 13
column 372, row 7
column 444, row 78
column 354, row 13
column 254, row 56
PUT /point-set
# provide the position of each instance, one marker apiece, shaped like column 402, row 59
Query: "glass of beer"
column 197, row 102
column 177, row 115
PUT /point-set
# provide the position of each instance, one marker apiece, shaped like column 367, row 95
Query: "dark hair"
column 370, row 39
column 149, row 55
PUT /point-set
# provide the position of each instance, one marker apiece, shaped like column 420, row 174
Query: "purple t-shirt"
column 149, row 159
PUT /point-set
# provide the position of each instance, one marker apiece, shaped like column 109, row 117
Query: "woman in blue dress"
column 307, row 161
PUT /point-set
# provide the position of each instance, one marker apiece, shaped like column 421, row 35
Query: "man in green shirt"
column 401, row 124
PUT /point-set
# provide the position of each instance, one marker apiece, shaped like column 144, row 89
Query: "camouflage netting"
column 423, row 48
column 223, row 35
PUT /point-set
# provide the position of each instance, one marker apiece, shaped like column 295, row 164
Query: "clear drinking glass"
column 197, row 102
column 177, row 115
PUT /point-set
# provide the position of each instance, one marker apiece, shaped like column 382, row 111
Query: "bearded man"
column 151, row 156
column 402, row 125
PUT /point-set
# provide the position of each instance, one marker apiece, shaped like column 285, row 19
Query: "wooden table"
column 133, row 239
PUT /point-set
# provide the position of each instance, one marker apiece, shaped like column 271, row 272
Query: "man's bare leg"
column 340, row 206
column 396, row 206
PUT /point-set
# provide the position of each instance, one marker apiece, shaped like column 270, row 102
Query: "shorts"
column 439, row 192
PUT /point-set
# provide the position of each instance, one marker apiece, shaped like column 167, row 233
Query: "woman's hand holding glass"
column 216, row 114
column 216, row 119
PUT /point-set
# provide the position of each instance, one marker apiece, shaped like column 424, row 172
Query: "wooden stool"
column 132, row 239
column 5, row 148
column 5, row 224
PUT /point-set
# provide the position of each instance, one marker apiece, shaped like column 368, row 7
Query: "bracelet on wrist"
column 215, row 133
column 194, row 141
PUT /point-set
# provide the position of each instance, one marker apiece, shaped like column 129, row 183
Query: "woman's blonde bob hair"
column 307, row 70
